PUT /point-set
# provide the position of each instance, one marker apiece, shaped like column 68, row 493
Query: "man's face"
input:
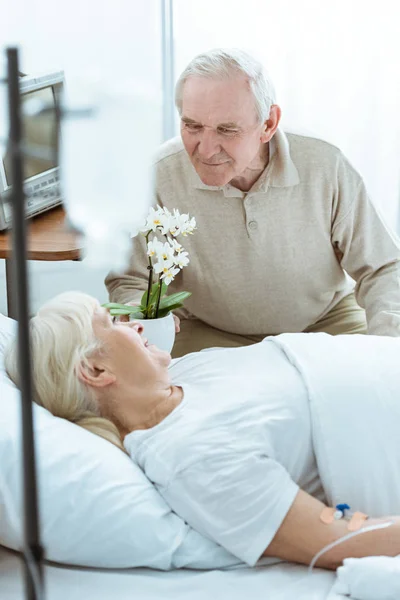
column 220, row 129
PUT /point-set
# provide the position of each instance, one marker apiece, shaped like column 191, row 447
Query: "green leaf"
column 153, row 294
column 123, row 309
column 126, row 310
column 163, row 312
column 115, row 305
column 143, row 300
column 174, row 298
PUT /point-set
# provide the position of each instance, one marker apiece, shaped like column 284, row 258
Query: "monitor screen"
column 39, row 132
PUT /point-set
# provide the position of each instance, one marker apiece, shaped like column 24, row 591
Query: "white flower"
column 173, row 226
column 191, row 226
column 154, row 247
column 183, row 224
column 165, row 252
column 161, row 219
column 165, row 221
column 181, row 260
column 161, row 265
column 153, row 220
column 157, row 220
column 165, row 210
column 175, row 223
column 168, row 257
column 167, row 271
column 188, row 225
column 175, row 245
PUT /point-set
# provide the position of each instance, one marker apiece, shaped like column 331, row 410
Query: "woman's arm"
column 302, row 535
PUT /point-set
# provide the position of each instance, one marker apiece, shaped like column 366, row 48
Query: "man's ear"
column 94, row 376
column 271, row 124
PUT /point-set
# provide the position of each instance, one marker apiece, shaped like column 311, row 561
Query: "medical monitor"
column 40, row 137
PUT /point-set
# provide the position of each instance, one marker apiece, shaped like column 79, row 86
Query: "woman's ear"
column 94, row 376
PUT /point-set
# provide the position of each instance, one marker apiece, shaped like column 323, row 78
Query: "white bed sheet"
column 277, row 582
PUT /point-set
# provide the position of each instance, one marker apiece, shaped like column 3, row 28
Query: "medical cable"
column 310, row 569
column 345, row 538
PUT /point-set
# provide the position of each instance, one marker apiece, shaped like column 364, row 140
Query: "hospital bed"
column 276, row 582
column 280, row 581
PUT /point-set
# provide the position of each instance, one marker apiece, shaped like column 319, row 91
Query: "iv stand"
column 32, row 549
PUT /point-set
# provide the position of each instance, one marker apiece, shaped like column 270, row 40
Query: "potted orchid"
column 166, row 258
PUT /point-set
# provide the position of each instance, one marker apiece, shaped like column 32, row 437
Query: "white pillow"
column 7, row 330
column 97, row 508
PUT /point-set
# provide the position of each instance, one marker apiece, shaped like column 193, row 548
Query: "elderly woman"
column 251, row 446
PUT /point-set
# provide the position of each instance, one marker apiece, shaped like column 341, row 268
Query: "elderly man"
column 283, row 220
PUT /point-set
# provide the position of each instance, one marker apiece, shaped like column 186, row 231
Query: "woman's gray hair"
column 223, row 63
column 62, row 340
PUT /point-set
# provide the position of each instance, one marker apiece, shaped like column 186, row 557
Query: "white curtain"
column 336, row 69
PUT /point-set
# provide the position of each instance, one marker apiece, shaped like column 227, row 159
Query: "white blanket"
column 371, row 578
column 354, row 389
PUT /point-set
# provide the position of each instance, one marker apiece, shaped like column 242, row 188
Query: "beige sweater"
column 263, row 261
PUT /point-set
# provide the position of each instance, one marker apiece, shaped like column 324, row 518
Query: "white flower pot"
column 160, row 332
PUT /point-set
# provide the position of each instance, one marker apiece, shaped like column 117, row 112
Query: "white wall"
column 77, row 36
column 50, row 278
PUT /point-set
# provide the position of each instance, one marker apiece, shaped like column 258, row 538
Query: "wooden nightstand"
column 48, row 239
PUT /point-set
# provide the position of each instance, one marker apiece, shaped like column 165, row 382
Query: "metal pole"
column 32, row 550
column 167, row 57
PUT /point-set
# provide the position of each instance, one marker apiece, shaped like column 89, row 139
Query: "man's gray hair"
column 223, row 63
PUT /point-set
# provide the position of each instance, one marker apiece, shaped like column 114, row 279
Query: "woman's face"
column 126, row 353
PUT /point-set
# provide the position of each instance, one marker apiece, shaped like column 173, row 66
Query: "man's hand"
column 177, row 322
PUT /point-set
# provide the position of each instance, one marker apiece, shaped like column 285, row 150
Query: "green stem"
column 150, row 281
column 159, row 295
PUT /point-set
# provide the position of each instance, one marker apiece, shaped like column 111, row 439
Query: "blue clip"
column 342, row 508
